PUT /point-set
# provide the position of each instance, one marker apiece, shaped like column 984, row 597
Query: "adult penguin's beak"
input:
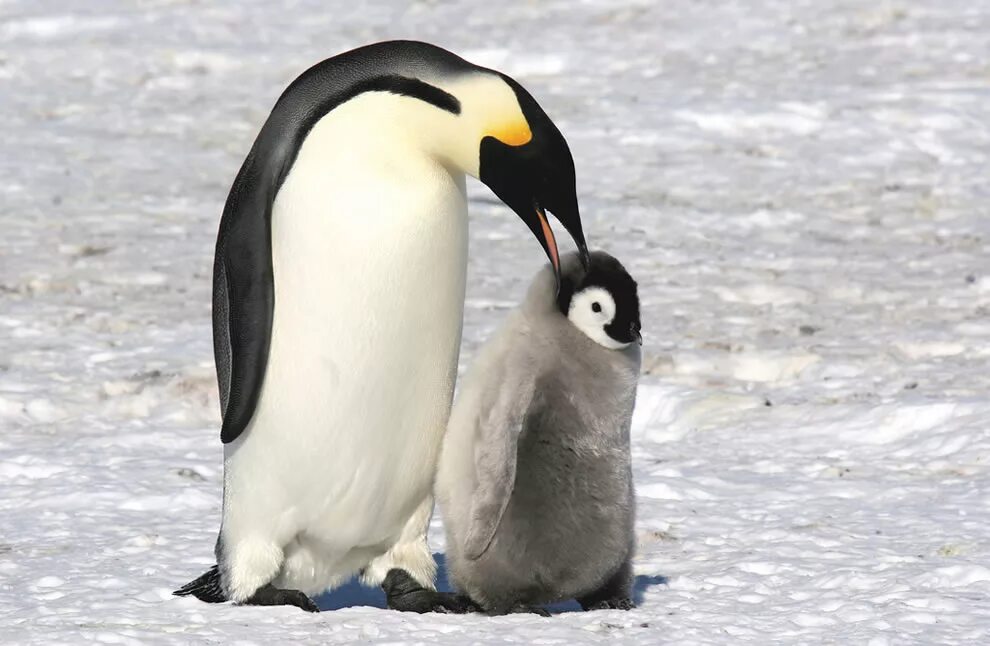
column 530, row 185
column 540, row 226
column 564, row 207
column 530, row 168
column 536, row 219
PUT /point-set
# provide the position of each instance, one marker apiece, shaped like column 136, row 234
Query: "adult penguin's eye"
column 596, row 307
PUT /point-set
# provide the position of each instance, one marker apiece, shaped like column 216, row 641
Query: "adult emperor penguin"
column 535, row 482
column 338, row 293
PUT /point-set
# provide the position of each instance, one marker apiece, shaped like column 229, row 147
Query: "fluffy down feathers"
column 534, row 483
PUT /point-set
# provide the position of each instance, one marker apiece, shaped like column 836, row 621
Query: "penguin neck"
column 420, row 128
column 488, row 107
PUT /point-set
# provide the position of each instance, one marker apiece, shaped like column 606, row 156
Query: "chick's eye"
column 595, row 307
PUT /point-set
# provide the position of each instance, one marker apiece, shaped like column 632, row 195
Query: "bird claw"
column 405, row 594
column 523, row 609
column 613, row 604
column 269, row 595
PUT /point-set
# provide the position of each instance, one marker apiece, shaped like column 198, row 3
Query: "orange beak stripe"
column 551, row 241
column 517, row 134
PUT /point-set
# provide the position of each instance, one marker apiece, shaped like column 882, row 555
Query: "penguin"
column 338, row 295
column 534, row 483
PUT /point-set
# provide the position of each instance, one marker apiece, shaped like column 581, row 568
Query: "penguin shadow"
column 644, row 582
column 641, row 584
column 351, row 595
column 354, row 595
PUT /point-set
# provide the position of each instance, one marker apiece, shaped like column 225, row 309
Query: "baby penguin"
column 534, row 482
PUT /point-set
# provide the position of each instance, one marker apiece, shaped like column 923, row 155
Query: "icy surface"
column 801, row 188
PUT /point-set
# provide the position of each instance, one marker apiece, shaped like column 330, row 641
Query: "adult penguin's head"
column 529, row 166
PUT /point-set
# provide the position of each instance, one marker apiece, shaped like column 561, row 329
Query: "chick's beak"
column 635, row 333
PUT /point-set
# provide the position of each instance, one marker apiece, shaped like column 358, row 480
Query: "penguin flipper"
column 205, row 587
column 243, row 294
column 500, row 421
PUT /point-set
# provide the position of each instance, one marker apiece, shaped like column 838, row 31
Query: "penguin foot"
column 622, row 603
column 454, row 604
column 520, row 609
column 405, row 594
column 614, row 594
column 269, row 595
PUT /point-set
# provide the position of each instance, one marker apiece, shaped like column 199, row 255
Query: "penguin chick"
column 535, row 483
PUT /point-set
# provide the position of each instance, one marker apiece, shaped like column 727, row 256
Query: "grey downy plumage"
column 535, row 483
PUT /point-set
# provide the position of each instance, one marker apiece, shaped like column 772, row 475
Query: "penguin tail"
column 205, row 587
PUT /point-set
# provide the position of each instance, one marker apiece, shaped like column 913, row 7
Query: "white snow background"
column 801, row 188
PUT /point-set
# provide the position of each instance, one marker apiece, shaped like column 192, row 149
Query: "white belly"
column 369, row 248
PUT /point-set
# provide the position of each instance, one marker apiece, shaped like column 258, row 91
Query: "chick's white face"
column 591, row 310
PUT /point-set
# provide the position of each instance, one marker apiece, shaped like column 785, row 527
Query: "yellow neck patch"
column 515, row 134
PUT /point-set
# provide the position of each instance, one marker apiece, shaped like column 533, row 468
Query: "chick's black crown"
column 608, row 273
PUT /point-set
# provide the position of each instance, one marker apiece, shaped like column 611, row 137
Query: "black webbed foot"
column 405, row 594
column 621, row 603
column 614, row 594
column 517, row 609
column 521, row 609
column 269, row 595
column 456, row 604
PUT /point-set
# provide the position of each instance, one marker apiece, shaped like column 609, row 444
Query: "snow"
column 800, row 188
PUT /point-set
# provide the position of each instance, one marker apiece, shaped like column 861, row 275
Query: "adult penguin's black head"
column 531, row 169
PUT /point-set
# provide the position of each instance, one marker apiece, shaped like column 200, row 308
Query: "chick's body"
column 535, row 483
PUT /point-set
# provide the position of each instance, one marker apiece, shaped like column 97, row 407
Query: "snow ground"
column 800, row 187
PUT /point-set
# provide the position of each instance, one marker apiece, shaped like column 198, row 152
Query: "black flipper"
column 243, row 300
column 243, row 284
column 206, row 587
